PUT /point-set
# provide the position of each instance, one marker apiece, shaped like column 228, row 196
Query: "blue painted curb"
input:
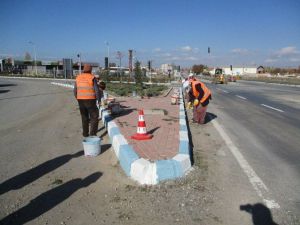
column 165, row 169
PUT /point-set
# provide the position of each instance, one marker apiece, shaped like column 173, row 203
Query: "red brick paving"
column 165, row 128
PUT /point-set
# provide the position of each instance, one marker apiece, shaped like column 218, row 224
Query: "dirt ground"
column 47, row 179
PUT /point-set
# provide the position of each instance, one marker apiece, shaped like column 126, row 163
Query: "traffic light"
column 231, row 67
column 208, row 50
column 149, row 65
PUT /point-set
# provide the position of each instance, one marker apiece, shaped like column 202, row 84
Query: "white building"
column 165, row 68
column 237, row 70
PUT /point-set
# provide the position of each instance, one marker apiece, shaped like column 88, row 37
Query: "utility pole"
column 107, row 46
column 150, row 68
column 119, row 56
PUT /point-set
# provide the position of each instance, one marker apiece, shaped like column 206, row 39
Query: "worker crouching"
column 198, row 98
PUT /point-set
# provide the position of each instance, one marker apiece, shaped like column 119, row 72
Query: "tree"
column 138, row 73
column 198, row 68
column 27, row 57
column 138, row 78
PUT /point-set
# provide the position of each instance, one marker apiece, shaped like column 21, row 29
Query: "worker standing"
column 87, row 93
column 198, row 96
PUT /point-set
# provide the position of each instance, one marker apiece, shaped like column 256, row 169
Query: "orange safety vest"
column 207, row 92
column 85, row 86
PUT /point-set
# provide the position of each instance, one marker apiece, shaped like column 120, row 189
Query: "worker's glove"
column 196, row 102
column 189, row 105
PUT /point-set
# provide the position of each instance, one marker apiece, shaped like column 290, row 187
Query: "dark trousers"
column 89, row 113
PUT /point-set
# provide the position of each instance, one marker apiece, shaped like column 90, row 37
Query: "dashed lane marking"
column 241, row 97
column 222, row 90
column 258, row 185
column 270, row 107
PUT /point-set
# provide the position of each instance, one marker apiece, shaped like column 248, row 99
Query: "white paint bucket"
column 92, row 146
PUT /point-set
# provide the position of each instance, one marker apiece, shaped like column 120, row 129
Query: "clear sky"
column 238, row 32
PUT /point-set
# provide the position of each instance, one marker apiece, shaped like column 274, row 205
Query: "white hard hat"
column 191, row 75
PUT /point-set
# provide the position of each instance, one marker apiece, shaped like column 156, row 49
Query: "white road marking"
column 241, row 97
column 222, row 90
column 270, row 107
column 258, row 185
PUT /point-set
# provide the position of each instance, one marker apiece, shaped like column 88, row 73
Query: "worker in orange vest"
column 198, row 97
column 87, row 93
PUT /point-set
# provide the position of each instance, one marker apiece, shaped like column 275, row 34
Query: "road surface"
column 260, row 124
column 45, row 179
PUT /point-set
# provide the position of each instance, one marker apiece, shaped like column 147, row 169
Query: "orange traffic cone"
column 141, row 129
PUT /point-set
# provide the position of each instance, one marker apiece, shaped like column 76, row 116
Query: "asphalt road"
column 40, row 146
column 262, row 126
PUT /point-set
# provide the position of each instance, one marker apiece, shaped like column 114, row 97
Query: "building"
column 165, row 68
column 238, row 71
column 260, row 69
column 50, row 68
column 169, row 68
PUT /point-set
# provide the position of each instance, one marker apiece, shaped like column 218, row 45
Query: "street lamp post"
column 107, row 46
column 119, row 56
column 151, row 63
column 79, row 58
column 34, row 49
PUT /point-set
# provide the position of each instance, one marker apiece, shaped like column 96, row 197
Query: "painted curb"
column 139, row 169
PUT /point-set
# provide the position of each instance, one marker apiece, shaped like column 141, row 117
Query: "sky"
column 238, row 32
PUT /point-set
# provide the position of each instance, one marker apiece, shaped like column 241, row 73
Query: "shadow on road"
column 103, row 127
column 4, row 91
column 209, row 117
column 261, row 215
column 7, row 85
column 125, row 111
column 102, row 135
column 48, row 200
column 33, row 174
column 153, row 130
column 191, row 144
column 105, row 147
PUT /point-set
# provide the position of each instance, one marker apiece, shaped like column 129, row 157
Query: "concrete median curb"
column 139, row 169
column 145, row 171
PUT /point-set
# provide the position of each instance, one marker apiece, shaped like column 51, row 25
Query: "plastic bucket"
column 92, row 146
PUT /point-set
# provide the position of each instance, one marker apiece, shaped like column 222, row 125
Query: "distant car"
column 231, row 78
column 17, row 71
